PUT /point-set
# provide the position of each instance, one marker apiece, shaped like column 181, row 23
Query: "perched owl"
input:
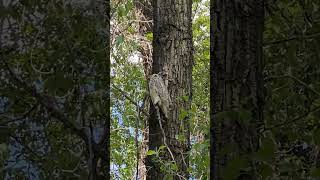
column 159, row 93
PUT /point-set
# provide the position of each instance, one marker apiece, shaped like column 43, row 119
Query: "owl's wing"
column 154, row 94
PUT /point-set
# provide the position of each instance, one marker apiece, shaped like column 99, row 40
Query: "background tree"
column 289, row 138
column 236, row 87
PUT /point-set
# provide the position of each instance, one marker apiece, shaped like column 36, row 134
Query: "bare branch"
column 297, row 80
column 267, row 44
column 21, row 117
column 130, row 99
column 293, row 120
column 46, row 101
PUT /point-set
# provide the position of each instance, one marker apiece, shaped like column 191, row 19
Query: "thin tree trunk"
column 99, row 148
column 236, row 82
column 172, row 56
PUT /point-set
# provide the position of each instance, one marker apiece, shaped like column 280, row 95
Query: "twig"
column 163, row 134
column 297, row 80
column 118, row 129
column 291, row 39
column 136, row 142
column 293, row 120
column 31, row 57
column 165, row 140
column 130, row 99
column 22, row 117
column 45, row 101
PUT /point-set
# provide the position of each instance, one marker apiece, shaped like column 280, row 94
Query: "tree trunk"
column 172, row 56
column 236, row 85
column 98, row 131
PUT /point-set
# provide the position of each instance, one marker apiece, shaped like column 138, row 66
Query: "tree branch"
column 19, row 118
column 130, row 99
column 297, row 80
column 291, row 39
column 293, row 120
column 46, row 101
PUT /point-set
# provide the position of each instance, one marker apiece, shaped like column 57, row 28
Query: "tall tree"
column 172, row 58
column 236, row 86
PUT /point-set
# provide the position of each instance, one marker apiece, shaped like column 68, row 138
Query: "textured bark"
column 172, row 54
column 236, row 82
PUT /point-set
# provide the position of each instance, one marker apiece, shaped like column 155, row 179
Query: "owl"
column 159, row 93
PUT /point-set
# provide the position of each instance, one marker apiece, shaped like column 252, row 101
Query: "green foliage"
column 199, row 114
column 291, row 48
column 266, row 171
column 267, row 150
column 316, row 136
column 57, row 48
column 234, row 167
column 127, row 76
column 151, row 152
column 149, row 36
column 315, row 172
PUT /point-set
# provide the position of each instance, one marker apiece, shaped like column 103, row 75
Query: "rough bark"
column 236, row 82
column 172, row 54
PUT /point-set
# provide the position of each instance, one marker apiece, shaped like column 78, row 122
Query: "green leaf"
column 149, row 36
column 315, row 7
column 183, row 114
column 29, row 28
column 121, row 11
column 180, row 137
column 266, row 171
column 151, row 152
column 233, row 168
column 185, row 98
column 5, row 134
column 174, row 167
column 316, row 136
column 129, row 5
column 162, row 147
column 267, row 150
column 3, row 148
column 58, row 83
column 119, row 40
column 244, row 116
column 315, row 172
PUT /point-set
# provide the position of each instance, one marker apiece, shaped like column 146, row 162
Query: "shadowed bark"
column 236, row 84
